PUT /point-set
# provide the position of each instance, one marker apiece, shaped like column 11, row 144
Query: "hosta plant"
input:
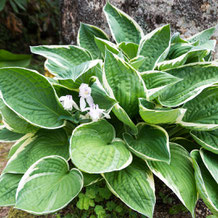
column 122, row 111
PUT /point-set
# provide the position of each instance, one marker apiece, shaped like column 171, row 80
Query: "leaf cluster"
column 162, row 95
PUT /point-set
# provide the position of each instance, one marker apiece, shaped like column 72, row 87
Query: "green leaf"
column 122, row 26
column 22, row 4
column 8, row 188
column 102, row 44
column 90, row 179
column 8, row 136
column 206, row 185
column 73, row 72
column 8, row 59
column 207, row 139
column 194, row 78
column 182, row 53
column 94, row 148
column 2, row 4
column 84, row 202
column 14, row 6
column 203, row 36
column 100, row 211
column 202, row 111
column 156, row 82
column 121, row 114
column 178, row 49
column 153, row 45
column 100, row 96
column 211, row 162
column 173, row 63
column 176, row 38
column 31, row 93
column 151, row 142
column 129, row 49
column 151, row 115
column 178, row 175
column 18, row 143
column 126, row 86
column 86, row 38
column 48, row 186
column 137, row 62
column 66, row 62
column 42, row 144
column 195, row 54
column 84, row 78
column 134, row 186
column 208, row 46
column 185, row 143
column 15, row 123
column 156, row 79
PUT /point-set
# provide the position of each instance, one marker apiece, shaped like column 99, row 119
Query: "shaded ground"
column 167, row 205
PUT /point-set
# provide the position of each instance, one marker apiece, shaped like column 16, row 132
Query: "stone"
column 184, row 16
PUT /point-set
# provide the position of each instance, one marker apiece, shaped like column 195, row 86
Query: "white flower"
column 85, row 96
column 96, row 113
column 68, row 102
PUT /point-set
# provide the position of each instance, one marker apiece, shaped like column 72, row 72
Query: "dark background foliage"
column 37, row 22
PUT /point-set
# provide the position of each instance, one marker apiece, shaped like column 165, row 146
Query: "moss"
column 15, row 213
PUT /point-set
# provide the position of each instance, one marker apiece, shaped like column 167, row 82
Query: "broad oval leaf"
column 206, row 185
column 43, row 143
column 178, row 175
column 151, row 143
column 211, row 162
column 8, row 136
column 48, row 186
column 196, row 53
column 203, row 36
column 94, row 148
column 151, row 115
column 152, row 46
column 32, row 97
column 18, row 143
column 86, row 38
column 15, row 123
column 173, row 63
column 8, row 59
column 65, row 62
column 207, row 139
column 202, row 111
column 122, row 26
column 8, row 187
column 84, row 78
column 124, row 82
column 194, row 78
column 134, row 186
column 157, row 81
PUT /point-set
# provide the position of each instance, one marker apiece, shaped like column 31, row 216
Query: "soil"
column 167, row 203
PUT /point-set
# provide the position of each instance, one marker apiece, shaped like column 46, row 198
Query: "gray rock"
column 185, row 16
